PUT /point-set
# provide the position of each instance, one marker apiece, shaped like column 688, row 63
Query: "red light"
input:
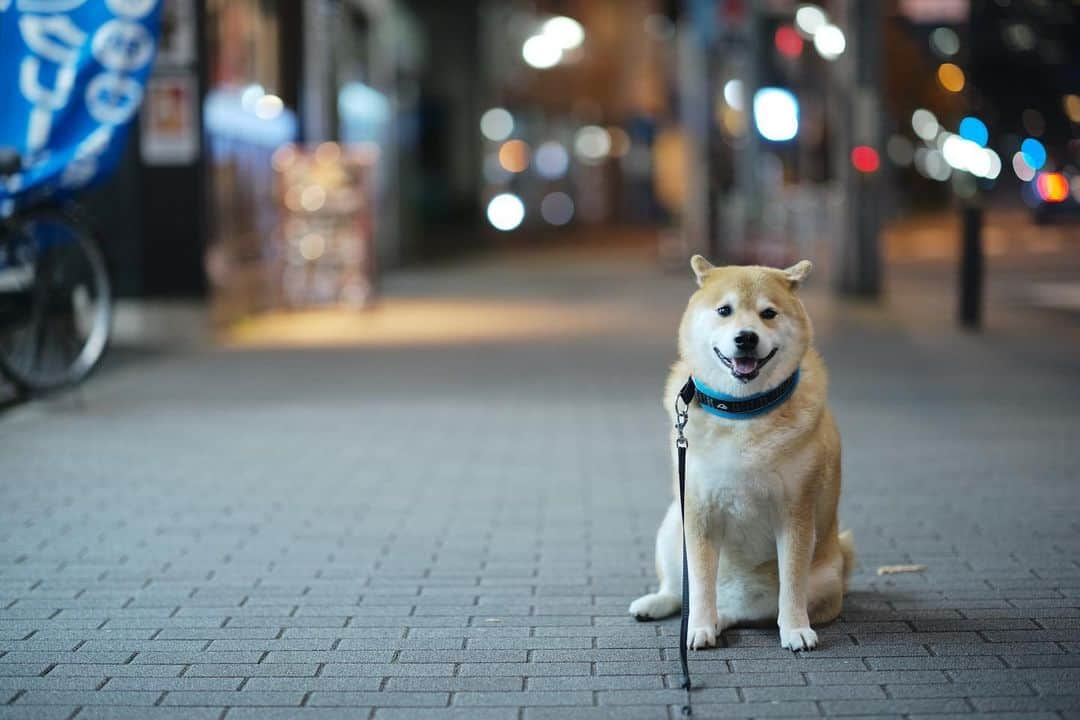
column 788, row 42
column 1052, row 187
column 865, row 159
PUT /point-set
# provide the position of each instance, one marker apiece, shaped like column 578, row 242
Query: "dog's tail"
column 847, row 549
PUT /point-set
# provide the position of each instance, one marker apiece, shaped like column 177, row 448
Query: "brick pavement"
column 455, row 531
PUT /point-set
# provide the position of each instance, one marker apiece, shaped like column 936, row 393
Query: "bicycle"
column 55, row 295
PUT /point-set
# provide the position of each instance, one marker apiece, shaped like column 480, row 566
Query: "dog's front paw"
column 702, row 636
column 796, row 639
column 655, row 606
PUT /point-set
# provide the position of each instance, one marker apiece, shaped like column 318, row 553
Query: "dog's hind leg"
column 826, row 586
column 668, row 600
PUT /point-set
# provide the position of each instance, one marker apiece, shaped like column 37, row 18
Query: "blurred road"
column 398, row 524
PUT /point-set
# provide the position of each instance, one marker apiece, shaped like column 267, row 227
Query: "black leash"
column 682, row 415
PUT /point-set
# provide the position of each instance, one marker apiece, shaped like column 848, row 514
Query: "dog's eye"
column 724, row 310
column 768, row 314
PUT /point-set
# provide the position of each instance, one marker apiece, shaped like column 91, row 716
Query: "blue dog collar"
column 743, row 408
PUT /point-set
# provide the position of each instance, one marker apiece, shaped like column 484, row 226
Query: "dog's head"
column 745, row 329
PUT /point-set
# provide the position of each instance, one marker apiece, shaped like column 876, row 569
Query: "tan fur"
column 762, row 493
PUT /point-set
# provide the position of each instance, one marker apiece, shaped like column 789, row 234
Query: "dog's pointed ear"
column 701, row 268
column 798, row 272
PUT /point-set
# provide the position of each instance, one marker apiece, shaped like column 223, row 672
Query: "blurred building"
column 238, row 80
column 753, row 131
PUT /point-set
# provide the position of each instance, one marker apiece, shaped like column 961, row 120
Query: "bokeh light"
column 809, row 19
column 567, row 33
column 514, row 156
column 951, row 77
column 1034, row 153
column 865, row 159
column 1053, row 187
column 268, row 107
column 974, row 129
column 925, row 124
column 830, row 42
column 592, row 144
column 496, row 124
column 551, row 160
column 541, row 52
column 788, row 42
column 251, row 95
column 1071, row 103
column 967, row 155
column 776, row 114
column 733, row 94
column 505, row 211
column 557, row 208
column 945, row 41
column 1020, row 166
column 931, row 164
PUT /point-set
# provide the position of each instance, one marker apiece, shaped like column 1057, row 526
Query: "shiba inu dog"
column 762, row 482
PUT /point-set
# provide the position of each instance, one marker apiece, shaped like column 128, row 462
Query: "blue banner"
column 72, row 74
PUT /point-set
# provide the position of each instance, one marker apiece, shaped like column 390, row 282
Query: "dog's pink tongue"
column 745, row 365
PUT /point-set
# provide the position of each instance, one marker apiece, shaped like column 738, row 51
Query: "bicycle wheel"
column 55, row 302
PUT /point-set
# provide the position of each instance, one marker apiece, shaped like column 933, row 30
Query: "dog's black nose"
column 746, row 340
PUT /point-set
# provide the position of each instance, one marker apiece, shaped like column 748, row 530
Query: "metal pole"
column 857, row 80
column 971, row 221
column 866, row 21
column 971, row 265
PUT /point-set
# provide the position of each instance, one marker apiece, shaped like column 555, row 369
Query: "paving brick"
column 950, row 662
column 741, row 680
column 596, row 682
column 469, row 713
column 877, row 677
column 527, row 669
column 767, row 693
column 596, row 713
column 899, row 706
column 17, row 669
column 37, row 712
column 212, row 698
column 116, row 671
column 382, row 699
column 525, row 698
column 960, row 690
column 149, row 713
column 1038, row 703
column 49, row 683
column 241, row 670
column 328, row 656
column 78, row 697
column 703, row 695
column 797, row 664
column 160, row 684
column 308, row 684
column 751, row 710
column 302, row 713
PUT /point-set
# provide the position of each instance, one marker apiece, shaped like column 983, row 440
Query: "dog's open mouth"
column 744, row 368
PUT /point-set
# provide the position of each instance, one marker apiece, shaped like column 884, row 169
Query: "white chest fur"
column 740, row 491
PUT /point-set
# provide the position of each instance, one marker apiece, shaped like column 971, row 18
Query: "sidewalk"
column 426, row 528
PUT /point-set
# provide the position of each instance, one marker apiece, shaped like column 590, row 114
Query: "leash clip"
column 682, row 416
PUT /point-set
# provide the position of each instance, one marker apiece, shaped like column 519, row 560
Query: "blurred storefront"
column 288, row 149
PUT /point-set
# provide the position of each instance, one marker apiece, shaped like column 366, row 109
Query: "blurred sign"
column 935, row 11
column 327, row 223
column 81, row 67
column 170, row 131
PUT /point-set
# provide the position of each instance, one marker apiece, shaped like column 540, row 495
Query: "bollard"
column 971, row 266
